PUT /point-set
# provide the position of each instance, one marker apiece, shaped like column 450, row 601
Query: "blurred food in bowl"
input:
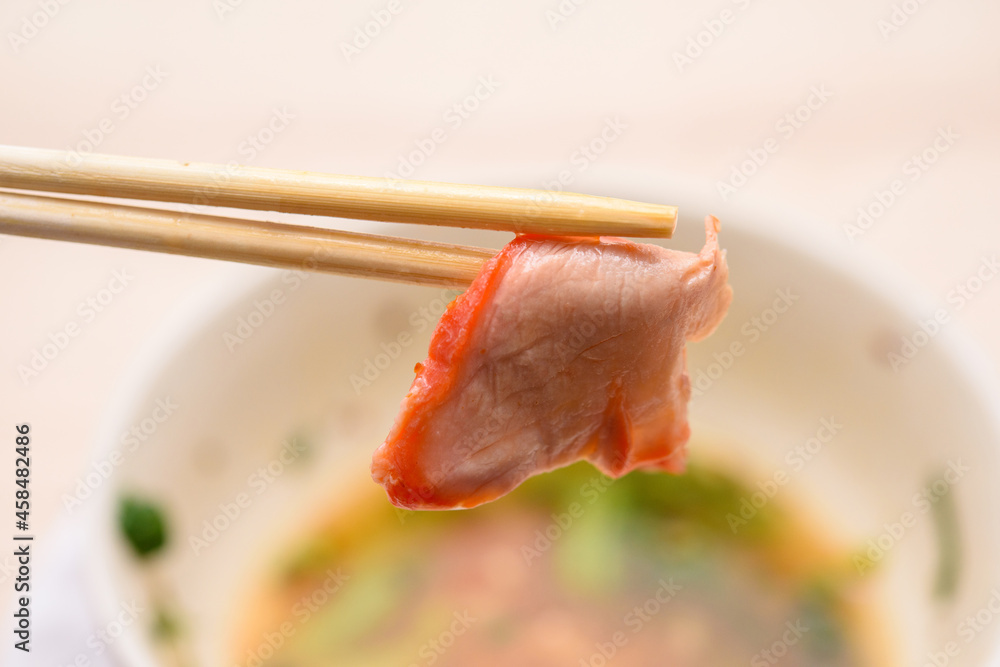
column 572, row 569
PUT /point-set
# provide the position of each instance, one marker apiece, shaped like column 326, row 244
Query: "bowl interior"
column 281, row 393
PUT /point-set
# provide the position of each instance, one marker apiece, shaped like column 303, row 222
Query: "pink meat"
column 562, row 349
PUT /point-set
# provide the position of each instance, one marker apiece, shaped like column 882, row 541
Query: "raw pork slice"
column 562, row 349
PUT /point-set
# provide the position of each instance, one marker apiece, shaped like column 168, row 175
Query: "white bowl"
column 298, row 373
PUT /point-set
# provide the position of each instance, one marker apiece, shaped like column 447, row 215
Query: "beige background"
column 226, row 72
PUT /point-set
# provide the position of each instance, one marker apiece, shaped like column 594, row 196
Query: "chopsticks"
column 276, row 244
column 270, row 244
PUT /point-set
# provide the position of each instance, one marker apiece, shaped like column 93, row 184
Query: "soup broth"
column 571, row 569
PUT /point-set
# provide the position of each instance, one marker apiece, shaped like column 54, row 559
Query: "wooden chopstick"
column 506, row 209
column 269, row 244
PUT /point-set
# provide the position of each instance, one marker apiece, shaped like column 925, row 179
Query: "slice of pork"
column 562, row 349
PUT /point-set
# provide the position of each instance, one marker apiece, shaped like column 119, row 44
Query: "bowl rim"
column 182, row 327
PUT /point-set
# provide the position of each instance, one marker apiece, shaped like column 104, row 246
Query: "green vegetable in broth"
column 143, row 525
